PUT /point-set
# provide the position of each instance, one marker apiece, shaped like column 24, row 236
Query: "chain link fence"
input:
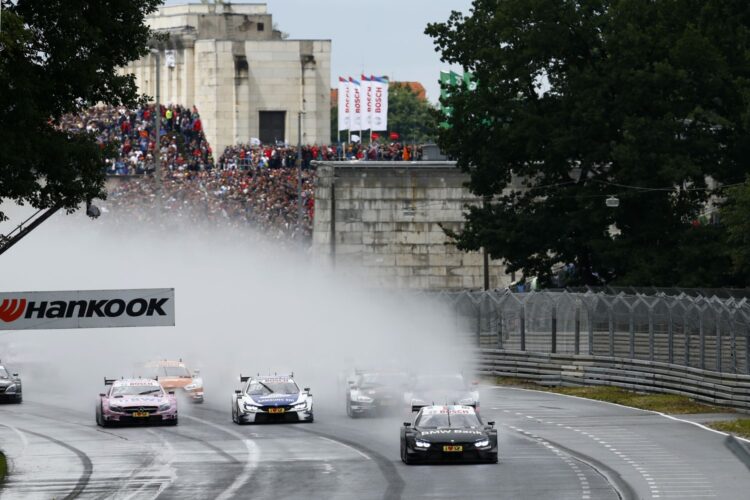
column 710, row 333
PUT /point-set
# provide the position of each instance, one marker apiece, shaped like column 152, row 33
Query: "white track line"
column 253, row 453
column 628, row 407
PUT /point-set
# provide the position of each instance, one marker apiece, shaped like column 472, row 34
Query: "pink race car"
column 135, row 401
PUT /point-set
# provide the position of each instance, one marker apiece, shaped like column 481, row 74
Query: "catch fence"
column 708, row 333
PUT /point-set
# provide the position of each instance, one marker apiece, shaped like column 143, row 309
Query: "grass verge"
column 3, row 468
column 665, row 403
column 739, row 427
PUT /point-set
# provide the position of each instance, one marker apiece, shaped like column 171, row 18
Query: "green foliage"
column 412, row 118
column 735, row 216
column 581, row 100
column 739, row 427
column 57, row 57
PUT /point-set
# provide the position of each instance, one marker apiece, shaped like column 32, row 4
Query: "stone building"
column 245, row 77
column 385, row 220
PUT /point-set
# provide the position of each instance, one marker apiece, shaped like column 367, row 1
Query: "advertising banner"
column 379, row 117
column 356, row 90
column 345, row 112
column 368, row 98
column 86, row 309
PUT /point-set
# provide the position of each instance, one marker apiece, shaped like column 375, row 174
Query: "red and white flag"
column 345, row 105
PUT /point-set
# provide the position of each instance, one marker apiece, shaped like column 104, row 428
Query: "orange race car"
column 175, row 376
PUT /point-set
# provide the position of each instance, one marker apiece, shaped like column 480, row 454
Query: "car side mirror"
column 238, row 392
column 15, row 375
column 101, row 395
column 491, row 423
column 307, row 389
column 171, row 393
column 407, row 424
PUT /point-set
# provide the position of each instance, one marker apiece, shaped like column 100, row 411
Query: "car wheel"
column 19, row 398
column 98, row 418
column 405, row 456
column 172, row 422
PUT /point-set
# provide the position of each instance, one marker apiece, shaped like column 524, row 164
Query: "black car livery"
column 10, row 386
column 451, row 433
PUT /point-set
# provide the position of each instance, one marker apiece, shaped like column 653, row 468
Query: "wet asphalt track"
column 552, row 447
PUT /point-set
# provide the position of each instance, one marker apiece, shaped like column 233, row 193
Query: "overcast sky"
column 383, row 37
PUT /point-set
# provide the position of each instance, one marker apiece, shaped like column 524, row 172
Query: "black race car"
column 373, row 393
column 448, row 434
column 10, row 386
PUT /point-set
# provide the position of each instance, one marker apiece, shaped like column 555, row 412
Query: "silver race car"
column 275, row 398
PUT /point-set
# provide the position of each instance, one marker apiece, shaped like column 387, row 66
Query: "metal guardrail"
column 723, row 389
column 707, row 333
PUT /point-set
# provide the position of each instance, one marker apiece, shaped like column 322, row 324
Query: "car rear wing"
column 243, row 378
column 109, row 381
column 417, row 406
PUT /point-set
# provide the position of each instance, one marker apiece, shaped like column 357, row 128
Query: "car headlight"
column 164, row 406
column 300, row 406
column 251, row 408
column 11, row 389
column 197, row 384
column 363, row 399
column 421, row 444
column 115, row 408
column 482, row 444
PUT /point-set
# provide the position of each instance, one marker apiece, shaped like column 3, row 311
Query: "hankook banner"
column 86, row 309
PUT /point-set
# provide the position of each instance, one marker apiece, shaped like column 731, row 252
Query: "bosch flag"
column 87, row 309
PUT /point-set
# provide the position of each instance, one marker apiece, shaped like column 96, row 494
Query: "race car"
column 373, row 393
column 10, row 386
column 451, row 433
column 135, row 401
column 174, row 376
column 275, row 398
column 449, row 389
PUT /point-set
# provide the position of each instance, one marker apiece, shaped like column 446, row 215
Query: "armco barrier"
column 725, row 389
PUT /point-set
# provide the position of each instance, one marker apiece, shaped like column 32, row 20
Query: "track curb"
column 738, row 449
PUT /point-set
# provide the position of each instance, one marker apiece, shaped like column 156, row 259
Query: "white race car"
column 275, row 398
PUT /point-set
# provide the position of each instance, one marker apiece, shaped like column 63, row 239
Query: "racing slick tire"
column 19, row 399
column 235, row 415
column 405, row 456
column 100, row 418
column 172, row 422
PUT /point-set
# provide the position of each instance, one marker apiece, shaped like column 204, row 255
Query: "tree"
column 410, row 116
column 580, row 100
column 58, row 57
column 735, row 216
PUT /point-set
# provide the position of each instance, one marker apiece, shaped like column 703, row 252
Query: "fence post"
column 670, row 336
column 479, row 323
column 523, row 327
column 703, row 342
column 747, row 351
column 718, row 344
column 611, row 332
column 733, row 342
column 631, row 333
column 650, row 334
column 577, row 334
column 686, row 333
column 500, row 328
column 591, row 331
column 554, row 329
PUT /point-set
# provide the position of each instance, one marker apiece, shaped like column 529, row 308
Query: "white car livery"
column 275, row 398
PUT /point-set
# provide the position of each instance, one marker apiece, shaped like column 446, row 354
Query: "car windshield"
column 259, row 388
column 441, row 383
column 382, row 380
column 447, row 419
column 136, row 390
column 174, row 371
column 3, row 373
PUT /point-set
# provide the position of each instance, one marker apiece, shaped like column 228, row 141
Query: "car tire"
column 173, row 422
column 405, row 456
column 19, row 399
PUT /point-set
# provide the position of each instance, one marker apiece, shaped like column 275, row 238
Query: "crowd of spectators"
column 128, row 138
column 249, row 186
column 264, row 200
column 256, row 155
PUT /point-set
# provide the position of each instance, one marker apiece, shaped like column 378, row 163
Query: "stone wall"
column 232, row 64
column 384, row 221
